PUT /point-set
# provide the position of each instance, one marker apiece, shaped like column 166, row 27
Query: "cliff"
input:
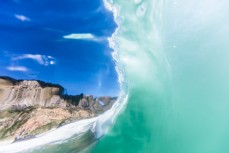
column 31, row 107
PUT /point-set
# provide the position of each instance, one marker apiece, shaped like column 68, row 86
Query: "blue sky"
column 62, row 42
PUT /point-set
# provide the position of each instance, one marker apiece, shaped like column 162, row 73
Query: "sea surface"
column 172, row 62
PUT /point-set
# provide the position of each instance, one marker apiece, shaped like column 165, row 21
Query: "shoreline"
column 54, row 136
column 32, row 107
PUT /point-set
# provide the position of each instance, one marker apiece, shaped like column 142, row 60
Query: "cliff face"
column 30, row 107
column 23, row 94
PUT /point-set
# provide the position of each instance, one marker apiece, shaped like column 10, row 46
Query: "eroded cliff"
column 31, row 107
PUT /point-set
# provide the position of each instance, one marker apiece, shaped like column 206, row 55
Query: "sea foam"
column 55, row 136
column 99, row 125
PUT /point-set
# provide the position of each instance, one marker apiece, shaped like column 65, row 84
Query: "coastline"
column 99, row 125
column 30, row 108
column 54, row 136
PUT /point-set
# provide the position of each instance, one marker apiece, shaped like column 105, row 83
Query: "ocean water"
column 172, row 58
column 175, row 56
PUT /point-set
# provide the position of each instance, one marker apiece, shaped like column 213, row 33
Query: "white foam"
column 112, row 43
column 137, row 1
column 99, row 125
column 55, row 136
column 107, row 119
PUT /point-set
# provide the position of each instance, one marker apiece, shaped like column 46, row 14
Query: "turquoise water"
column 176, row 56
column 172, row 58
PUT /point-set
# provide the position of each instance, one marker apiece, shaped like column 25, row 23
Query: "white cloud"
column 50, row 57
column 85, row 36
column 41, row 59
column 17, row 68
column 52, row 62
column 22, row 17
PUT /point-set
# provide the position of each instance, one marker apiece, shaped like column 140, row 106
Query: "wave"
column 55, row 136
column 174, row 56
column 99, row 126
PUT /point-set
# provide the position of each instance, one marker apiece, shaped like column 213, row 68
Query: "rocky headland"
column 32, row 107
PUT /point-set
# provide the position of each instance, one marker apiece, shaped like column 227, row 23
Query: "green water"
column 173, row 61
column 176, row 60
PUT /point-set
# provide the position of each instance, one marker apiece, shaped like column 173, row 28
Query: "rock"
column 24, row 93
column 22, row 138
column 31, row 107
